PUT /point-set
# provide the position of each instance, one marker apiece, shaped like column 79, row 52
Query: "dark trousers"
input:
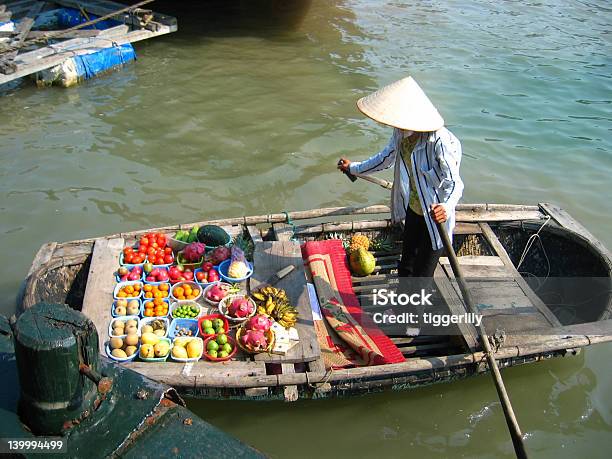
column 418, row 258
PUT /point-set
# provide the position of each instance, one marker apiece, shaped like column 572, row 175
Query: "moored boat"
column 521, row 259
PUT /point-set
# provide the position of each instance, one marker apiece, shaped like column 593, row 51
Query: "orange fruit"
column 148, row 295
column 121, row 294
column 148, row 288
column 164, row 287
column 178, row 291
column 195, row 292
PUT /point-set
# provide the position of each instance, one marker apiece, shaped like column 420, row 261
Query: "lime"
column 207, row 324
column 212, row 353
column 212, row 345
column 220, row 330
column 227, row 347
column 209, row 331
column 218, row 323
column 222, row 339
column 223, row 354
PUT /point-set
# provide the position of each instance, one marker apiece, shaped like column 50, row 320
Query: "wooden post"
column 52, row 344
column 513, row 426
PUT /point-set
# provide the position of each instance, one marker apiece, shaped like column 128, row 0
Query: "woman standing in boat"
column 426, row 156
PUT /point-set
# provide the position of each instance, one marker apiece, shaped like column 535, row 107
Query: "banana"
column 259, row 296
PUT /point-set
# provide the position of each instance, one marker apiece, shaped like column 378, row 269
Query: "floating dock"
column 40, row 35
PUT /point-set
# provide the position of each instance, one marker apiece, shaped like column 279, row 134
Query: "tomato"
column 168, row 250
column 168, row 259
column 161, row 240
column 159, row 261
column 139, row 258
column 154, row 244
column 151, row 251
column 142, row 249
column 127, row 250
column 144, row 240
column 127, row 258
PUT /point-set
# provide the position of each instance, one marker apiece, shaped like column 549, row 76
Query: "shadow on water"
column 223, row 18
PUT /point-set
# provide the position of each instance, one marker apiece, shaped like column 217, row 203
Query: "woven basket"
column 269, row 335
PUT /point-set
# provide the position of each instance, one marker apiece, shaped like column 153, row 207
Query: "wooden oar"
column 513, row 426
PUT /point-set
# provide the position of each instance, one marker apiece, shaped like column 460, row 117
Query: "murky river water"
column 246, row 110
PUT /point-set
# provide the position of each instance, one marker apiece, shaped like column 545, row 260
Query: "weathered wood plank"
column 291, row 393
column 269, row 258
column 100, row 284
column 533, row 297
column 282, row 231
column 254, row 233
column 43, row 256
column 7, row 64
column 318, row 366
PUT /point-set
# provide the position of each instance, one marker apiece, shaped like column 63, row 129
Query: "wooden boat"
column 489, row 239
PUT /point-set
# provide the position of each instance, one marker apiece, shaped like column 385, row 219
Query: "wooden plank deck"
column 269, row 258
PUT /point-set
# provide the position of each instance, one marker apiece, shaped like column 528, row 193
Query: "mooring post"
column 53, row 344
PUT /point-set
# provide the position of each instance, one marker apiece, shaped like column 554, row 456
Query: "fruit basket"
column 181, row 304
column 150, row 321
column 124, row 307
column 156, row 310
column 212, row 318
column 270, row 337
column 196, row 349
column 123, row 348
column 225, row 308
column 136, row 270
column 204, row 278
column 157, row 276
column 187, row 324
column 231, row 354
column 223, row 268
column 112, row 326
column 121, row 290
column 155, row 359
column 191, row 265
column 228, row 289
column 130, row 265
column 179, row 291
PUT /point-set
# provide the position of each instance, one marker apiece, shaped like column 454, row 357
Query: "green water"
column 246, row 110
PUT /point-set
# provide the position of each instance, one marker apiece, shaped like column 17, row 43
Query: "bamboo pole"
column 511, row 421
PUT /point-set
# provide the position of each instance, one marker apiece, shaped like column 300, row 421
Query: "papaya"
column 362, row 262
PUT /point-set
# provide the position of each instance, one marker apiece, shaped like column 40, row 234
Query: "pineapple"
column 359, row 241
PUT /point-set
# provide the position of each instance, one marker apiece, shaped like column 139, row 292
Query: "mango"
column 194, row 348
column 149, row 338
column 116, row 343
column 147, row 329
column 119, row 353
column 131, row 339
column 179, row 352
column 129, row 350
column 161, row 349
column 146, row 351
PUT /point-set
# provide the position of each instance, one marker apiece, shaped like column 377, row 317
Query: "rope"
column 529, row 245
column 58, row 34
column 291, row 224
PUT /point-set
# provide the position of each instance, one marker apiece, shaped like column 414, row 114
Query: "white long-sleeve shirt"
column 436, row 159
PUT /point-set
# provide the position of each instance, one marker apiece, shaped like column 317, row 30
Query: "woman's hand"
column 438, row 213
column 344, row 164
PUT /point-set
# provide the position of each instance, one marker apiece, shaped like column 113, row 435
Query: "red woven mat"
column 353, row 339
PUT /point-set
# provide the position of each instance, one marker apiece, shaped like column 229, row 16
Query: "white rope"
column 529, row 245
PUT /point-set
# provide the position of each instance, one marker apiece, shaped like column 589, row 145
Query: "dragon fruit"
column 194, row 252
column 259, row 322
column 240, row 307
column 238, row 268
column 217, row 292
column 254, row 340
column 220, row 254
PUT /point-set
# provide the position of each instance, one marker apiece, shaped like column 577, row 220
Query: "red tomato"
column 201, row 276
column 168, row 250
column 142, row 249
column 128, row 257
column 154, row 243
column 151, row 251
column 127, row 250
column 144, row 240
column 161, row 240
column 168, row 259
column 159, row 261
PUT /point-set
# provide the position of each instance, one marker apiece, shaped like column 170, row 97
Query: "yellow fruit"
column 147, row 329
column 131, row 322
column 118, row 324
column 194, row 348
column 131, row 329
column 131, row 339
column 179, row 352
column 150, row 338
column 181, row 341
column 118, row 331
column 119, row 353
column 116, row 343
column 161, row 349
column 359, row 241
column 129, row 351
column 159, row 332
column 120, row 310
column 123, row 303
column 147, row 351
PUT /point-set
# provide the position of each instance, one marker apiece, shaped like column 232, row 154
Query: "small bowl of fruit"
column 123, row 349
column 130, row 290
column 214, row 293
column 155, row 308
column 192, row 255
column 154, row 348
column 131, row 257
column 185, row 310
column 157, row 325
column 124, row 307
column 213, row 324
column 186, row 291
column 183, row 327
column 232, row 271
column 237, row 308
column 187, row 349
column 120, row 327
column 221, row 347
column 155, row 274
column 126, row 274
column 206, row 274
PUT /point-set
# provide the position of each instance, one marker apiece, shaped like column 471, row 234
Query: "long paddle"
column 513, row 426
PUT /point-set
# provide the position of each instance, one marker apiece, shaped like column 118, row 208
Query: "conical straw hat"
column 403, row 105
